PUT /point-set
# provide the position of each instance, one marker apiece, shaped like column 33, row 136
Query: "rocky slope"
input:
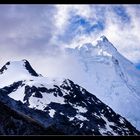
column 54, row 106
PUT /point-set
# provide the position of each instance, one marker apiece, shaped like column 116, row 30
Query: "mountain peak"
column 65, row 107
column 103, row 38
column 29, row 68
column 24, row 60
column 106, row 45
column 100, row 47
column 14, row 71
column 18, row 66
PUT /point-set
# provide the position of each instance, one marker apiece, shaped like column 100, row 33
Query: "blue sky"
column 30, row 31
column 138, row 66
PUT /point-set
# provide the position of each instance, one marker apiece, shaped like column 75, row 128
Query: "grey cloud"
column 26, row 28
column 30, row 31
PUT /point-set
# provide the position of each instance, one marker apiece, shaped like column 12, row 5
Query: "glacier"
column 109, row 75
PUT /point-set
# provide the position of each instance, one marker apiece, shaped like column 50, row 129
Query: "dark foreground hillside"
column 14, row 123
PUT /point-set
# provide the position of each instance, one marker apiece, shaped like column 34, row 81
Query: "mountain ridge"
column 62, row 105
column 104, row 71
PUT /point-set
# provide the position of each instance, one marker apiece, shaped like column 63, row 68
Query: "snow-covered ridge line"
column 69, row 107
column 101, row 70
column 14, row 71
column 113, row 78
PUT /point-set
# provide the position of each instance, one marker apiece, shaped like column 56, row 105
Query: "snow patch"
column 18, row 95
column 121, row 120
column 81, row 109
column 44, row 101
column 80, row 117
column 107, row 127
column 52, row 112
column 81, row 125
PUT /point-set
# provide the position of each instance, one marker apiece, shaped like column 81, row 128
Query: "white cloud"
column 62, row 16
column 124, row 35
column 32, row 32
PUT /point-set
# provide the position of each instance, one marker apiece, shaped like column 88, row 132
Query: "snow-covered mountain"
column 58, row 105
column 8, row 72
column 102, row 70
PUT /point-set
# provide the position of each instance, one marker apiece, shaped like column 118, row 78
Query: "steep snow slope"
column 62, row 104
column 111, row 77
column 8, row 72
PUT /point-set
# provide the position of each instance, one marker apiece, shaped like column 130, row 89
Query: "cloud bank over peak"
column 40, row 32
column 120, row 23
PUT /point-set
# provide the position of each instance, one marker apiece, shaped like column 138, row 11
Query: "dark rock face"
column 11, row 88
column 26, row 64
column 4, row 68
column 64, row 108
column 29, row 68
column 67, row 119
column 14, row 123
